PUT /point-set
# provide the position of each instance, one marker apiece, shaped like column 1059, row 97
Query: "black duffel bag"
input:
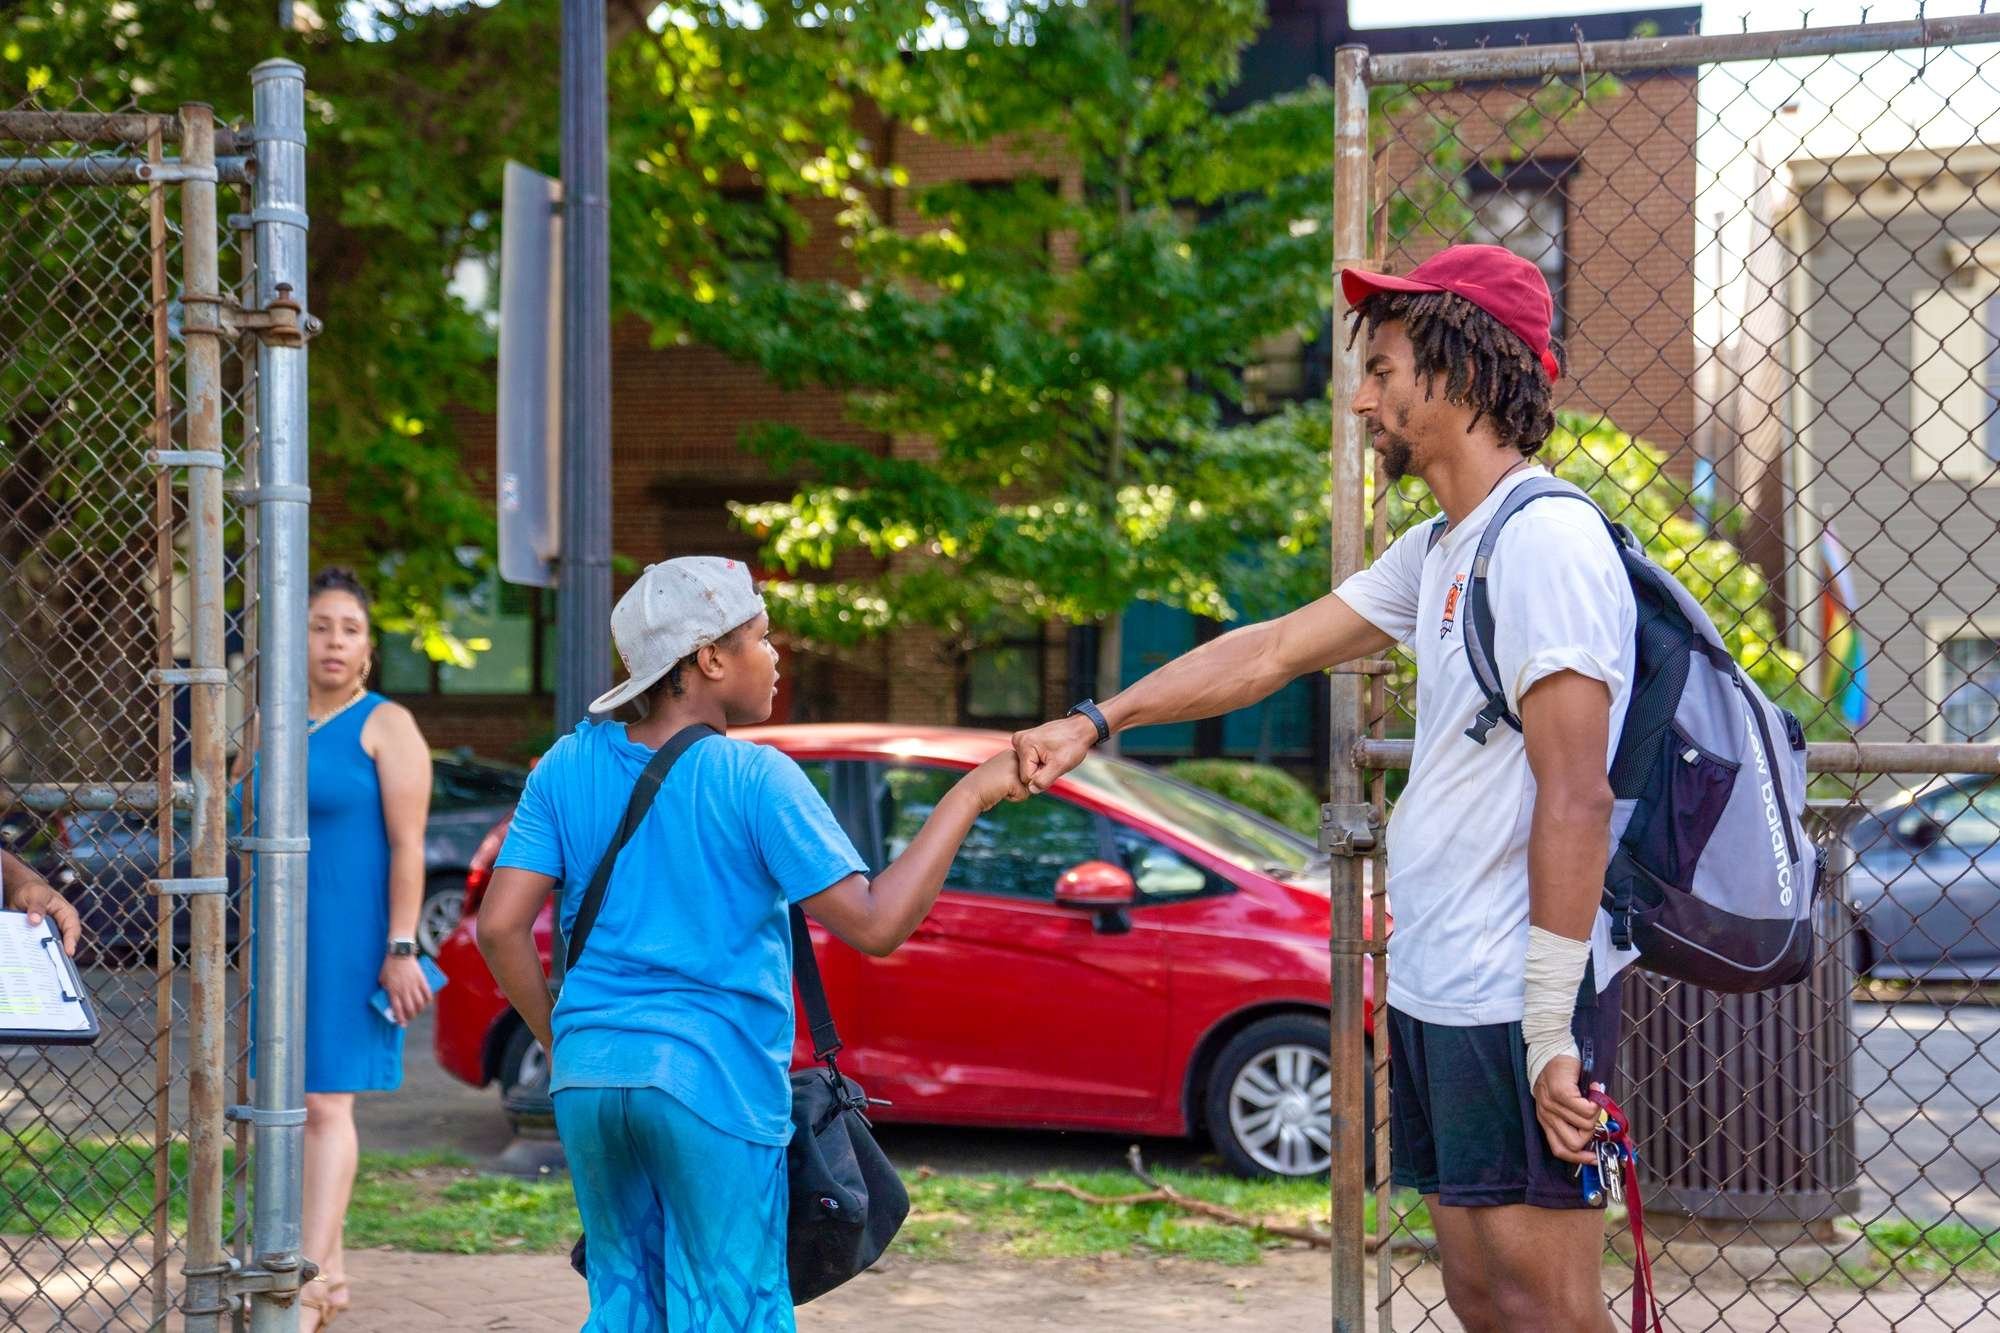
column 847, row 1202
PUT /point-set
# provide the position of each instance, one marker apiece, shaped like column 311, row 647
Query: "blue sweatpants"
column 685, row 1225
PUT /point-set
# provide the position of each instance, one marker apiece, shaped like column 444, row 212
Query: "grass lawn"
column 434, row 1202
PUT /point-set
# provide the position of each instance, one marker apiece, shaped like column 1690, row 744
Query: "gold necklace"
column 313, row 724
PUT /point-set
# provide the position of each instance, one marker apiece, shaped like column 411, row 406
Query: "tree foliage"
column 1067, row 341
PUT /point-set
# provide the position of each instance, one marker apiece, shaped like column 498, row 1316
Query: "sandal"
column 320, row 1301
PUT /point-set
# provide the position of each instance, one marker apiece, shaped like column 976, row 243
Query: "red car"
column 1125, row 954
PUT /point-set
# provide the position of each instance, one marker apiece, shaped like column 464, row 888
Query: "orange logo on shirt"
column 1451, row 606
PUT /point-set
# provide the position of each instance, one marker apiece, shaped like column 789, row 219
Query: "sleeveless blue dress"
column 349, row 1047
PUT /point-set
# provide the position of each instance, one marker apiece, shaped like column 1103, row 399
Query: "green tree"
column 1068, row 344
column 412, row 111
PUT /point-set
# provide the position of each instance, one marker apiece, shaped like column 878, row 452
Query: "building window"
column 1991, row 369
column 750, row 236
column 1523, row 208
column 1004, row 680
column 1971, row 696
column 1955, row 381
column 518, row 623
column 1286, row 368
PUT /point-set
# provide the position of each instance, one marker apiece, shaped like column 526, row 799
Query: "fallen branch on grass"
column 1167, row 1194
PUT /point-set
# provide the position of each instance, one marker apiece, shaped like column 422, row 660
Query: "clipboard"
column 42, row 998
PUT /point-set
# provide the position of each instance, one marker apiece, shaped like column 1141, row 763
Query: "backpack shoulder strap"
column 1439, row 526
column 1479, row 605
column 643, row 792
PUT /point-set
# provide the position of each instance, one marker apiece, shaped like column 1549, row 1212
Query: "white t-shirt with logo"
column 1458, row 840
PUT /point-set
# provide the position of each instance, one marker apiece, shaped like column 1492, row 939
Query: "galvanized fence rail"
column 138, row 329
column 1776, row 258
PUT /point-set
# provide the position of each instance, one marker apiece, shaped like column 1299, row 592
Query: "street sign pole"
column 583, row 607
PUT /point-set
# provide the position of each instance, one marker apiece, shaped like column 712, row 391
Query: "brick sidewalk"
column 398, row 1292
column 409, row 1293
column 1288, row 1293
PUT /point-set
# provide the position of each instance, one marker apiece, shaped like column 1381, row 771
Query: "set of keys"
column 1605, row 1178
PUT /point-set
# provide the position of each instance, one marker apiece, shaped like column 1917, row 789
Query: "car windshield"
column 458, row 783
column 1229, row 829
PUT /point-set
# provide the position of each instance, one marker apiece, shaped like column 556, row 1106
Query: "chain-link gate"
column 1776, row 263
column 135, row 334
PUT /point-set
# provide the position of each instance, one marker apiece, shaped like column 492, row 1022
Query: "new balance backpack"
column 1712, row 876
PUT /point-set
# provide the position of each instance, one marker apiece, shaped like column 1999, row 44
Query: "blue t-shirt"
column 686, row 981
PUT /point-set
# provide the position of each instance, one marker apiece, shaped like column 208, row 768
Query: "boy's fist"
column 996, row 780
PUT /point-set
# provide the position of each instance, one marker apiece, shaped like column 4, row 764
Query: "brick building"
column 678, row 413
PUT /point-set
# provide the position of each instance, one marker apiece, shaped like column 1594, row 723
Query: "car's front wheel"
column 1270, row 1098
column 524, row 1079
column 444, row 904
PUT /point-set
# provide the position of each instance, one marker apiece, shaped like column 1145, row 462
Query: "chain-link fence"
column 1776, row 263
column 131, row 333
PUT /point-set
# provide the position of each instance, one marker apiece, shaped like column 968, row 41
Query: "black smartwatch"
column 1088, row 708
column 403, row 948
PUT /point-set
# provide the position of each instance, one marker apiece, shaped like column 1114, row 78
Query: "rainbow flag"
column 1844, row 658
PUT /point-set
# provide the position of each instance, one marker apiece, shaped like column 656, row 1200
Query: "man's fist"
column 1051, row 750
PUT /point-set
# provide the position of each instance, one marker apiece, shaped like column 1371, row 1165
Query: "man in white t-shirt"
column 1502, row 995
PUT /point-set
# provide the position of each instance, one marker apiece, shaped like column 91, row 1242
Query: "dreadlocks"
column 1485, row 366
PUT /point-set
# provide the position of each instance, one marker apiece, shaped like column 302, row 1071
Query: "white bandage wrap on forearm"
column 1548, row 1003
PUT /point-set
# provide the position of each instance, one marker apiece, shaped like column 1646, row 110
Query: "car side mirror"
column 1922, row 832
column 1100, row 887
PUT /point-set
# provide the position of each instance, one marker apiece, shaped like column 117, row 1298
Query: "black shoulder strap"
column 805, row 970
column 1479, row 607
column 643, row 793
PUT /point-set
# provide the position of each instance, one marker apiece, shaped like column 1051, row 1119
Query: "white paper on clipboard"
column 38, row 988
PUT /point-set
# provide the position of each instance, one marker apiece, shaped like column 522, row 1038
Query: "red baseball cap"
column 1498, row 281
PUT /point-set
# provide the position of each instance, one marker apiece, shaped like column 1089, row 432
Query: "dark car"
column 1926, row 883
column 103, row 860
column 467, row 796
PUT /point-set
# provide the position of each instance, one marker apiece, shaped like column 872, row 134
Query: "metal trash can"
column 1743, row 1106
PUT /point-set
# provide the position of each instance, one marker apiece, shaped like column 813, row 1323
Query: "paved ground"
column 1928, row 1079
column 1288, row 1293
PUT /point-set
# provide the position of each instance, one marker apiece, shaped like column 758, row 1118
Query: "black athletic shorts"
column 1462, row 1114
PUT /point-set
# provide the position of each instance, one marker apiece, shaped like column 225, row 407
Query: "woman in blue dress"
column 368, row 792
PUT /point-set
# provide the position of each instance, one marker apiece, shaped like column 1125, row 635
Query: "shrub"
column 1271, row 792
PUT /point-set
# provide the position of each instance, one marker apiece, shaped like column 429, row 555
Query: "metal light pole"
column 583, row 604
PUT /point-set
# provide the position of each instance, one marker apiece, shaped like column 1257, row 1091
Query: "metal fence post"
column 583, row 601
column 1346, row 812
column 279, row 218
column 207, row 680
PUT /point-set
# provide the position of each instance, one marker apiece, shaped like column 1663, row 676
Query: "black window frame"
column 1039, row 642
column 1545, row 175
column 541, row 662
column 755, row 199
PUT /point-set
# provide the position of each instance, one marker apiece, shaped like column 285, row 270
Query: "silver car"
column 1926, row 883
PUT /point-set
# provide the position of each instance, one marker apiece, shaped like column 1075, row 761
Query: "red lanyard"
column 1614, row 1128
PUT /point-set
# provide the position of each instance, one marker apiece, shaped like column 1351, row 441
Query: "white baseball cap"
column 676, row 607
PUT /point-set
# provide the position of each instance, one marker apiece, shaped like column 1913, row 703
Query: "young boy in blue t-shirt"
column 672, row 1042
